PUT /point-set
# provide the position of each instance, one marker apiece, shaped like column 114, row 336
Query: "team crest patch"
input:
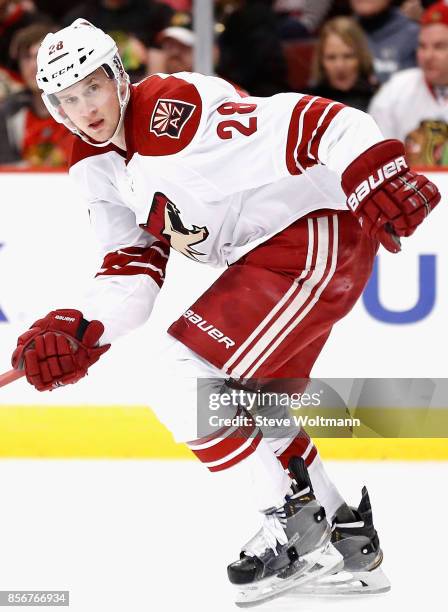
column 165, row 223
column 169, row 117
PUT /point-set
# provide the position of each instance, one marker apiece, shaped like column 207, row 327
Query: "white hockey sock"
column 270, row 483
column 324, row 489
column 261, row 475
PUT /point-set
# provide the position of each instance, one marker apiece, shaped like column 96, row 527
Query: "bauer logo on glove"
column 374, row 181
column 388, row 199
column 58, row 349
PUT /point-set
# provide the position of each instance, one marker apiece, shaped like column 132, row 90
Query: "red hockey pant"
column 270, row 313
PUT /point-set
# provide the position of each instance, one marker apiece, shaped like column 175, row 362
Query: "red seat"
column 299, row 60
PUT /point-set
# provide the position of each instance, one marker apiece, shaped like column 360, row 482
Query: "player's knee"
column 180, row 389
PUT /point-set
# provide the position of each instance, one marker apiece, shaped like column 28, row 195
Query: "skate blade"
column 348, row 583
column 319, row 562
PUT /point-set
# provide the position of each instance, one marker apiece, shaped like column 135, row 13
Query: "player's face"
column 179, row 57
column 340, row 63
column 364, row 8
column 432, row 53
column 92, row 105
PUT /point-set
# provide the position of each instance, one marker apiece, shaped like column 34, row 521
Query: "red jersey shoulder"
column 164, row 115
column 81, row 150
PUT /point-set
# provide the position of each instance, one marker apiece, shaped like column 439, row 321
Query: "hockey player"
column 188, row 162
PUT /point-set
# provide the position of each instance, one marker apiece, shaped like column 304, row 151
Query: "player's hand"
column 58, row 349
column 388, row 199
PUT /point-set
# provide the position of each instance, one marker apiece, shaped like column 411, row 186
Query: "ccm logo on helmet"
column 375, row 180
column 63, row 71
column 208, row 328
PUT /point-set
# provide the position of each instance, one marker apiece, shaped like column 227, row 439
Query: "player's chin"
column 99, row 135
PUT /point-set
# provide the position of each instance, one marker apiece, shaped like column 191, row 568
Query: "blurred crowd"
column 385, row 57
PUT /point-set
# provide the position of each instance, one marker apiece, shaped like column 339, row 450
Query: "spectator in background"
column 412, row 9
column 343, row 68
column 413, row 105
column 251, row 54
column 177, row 45
column 392, row 36
column 29, row 136
column 14, row 15
column 300, row 18
column 134, row 25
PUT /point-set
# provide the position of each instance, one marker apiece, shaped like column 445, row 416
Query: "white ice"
column 150, row 536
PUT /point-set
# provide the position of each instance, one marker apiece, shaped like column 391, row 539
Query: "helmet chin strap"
column 123, row 100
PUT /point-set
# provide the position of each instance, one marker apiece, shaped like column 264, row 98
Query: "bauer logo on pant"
column 209, row 329
column 169, row 117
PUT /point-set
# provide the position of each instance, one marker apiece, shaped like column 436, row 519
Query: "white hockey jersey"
column 209, row 173
column 408, row 109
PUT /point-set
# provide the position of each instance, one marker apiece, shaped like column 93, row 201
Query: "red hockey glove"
column 58, row 349
column 388, row 199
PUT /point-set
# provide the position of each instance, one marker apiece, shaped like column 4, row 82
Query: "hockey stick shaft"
column 11, row 376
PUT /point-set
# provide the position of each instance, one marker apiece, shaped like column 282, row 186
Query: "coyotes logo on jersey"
column 169, row 117
column 164, row 222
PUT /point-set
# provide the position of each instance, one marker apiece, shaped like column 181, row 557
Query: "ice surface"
column 149, row 536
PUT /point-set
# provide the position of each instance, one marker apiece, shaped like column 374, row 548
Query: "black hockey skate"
column 359, row 545
column 292, row 547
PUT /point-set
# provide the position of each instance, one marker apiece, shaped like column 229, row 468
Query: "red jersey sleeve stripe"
column 309, row 121
column 293, row 135
column 130, row 261
column 326, row 118
column 316, row 119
